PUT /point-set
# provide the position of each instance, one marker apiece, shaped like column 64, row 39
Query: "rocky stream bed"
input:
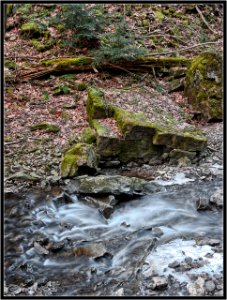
column 164, row 238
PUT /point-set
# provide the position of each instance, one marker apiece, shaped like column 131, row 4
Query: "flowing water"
column 72, row 245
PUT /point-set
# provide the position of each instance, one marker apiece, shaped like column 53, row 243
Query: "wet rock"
column 39, row 249
column 115, row 185
column 174, row 264
column 56, row 246
column 202, row 203
column 197, row 288
column 119, row 292
column 42, row 281
column 62, row 199
column 188, row 260
column 157, row 232
column 104, row 204
column 209, row 286
column 14, row 289
column 159, row 283
column 92, row 250
column 111, row 163
column 124, row 224
column 217, row 198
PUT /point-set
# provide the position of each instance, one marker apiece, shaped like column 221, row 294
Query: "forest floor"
column 168, row 30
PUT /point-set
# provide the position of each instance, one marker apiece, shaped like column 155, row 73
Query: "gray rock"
column 209, row 286
column 111, row 163
column 159, row 282
column 202, row 203
column 174, row 264
column 115, row 185
column 217, row 198
column 197, row 288
column 157, row 232
column 62, row 199
column 39, row 249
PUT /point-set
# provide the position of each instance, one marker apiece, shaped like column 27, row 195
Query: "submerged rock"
column 114, row 185
column 104, row 204
column 92, row 250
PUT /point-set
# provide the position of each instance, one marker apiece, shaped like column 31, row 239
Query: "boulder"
column 114, row 185
column 187, row 141
column 78, row 157
column 204, row 85
column 96, row 107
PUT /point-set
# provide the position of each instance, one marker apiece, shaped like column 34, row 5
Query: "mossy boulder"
column 132, row 147
column 45, row 126
column 78, row 158
column 188, row 141
column 88, row 136
column 134, row 125
column 108, row 144
column 32, row 30
column 204, row 85
column 97, row 108
column 136, row 137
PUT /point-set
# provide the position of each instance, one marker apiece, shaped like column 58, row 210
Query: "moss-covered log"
column 83, row 63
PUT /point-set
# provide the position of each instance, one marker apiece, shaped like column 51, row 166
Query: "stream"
column 153, row 245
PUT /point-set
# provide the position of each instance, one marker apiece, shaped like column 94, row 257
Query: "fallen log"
column 84, row 64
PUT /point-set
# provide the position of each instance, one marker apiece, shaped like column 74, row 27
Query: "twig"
column 15, row 142
column 168, row 35
column 184, row 49
column 204, row 20
column 27, row 57
column 212, row 149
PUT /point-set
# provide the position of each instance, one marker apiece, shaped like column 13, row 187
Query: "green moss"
column 166, row 61
column 24, row 8
column 97, row 108
column 88, row 136
column 81, row 86
column 159, row 15
column 68, row 63
column 31, row 30
column 8, row 138
column 134, row 125
column 41, row 47
column 204, row 85
column 79, row 155
column 180, row 140
column 47, row 127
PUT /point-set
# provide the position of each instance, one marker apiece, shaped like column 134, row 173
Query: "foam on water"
column 179, row 178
